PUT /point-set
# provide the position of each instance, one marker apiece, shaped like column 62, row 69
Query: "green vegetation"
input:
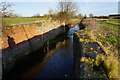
column 111, row 39
column 49, row 42
column 109, row 24
column 109, row 62
column 66, row 11
column 106, row 34
column 113, row 20
column 21, row 20
column 110, row 31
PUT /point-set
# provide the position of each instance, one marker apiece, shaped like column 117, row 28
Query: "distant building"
column 116, row 16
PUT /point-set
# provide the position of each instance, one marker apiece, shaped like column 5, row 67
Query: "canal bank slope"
column 86, row 51
column 19, row 41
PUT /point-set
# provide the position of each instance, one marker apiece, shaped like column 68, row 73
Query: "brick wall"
column 25, row 32
column 27, row 38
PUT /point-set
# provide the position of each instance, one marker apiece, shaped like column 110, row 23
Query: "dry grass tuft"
column 111, row 58
column 110, row 63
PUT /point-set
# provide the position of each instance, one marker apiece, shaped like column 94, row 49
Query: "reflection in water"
column 55, row 63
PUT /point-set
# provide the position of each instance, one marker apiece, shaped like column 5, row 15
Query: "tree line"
column 66, row 10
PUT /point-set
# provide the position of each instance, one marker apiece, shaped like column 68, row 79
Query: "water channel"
column 56, row 63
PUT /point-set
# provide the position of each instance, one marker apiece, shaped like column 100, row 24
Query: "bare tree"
column 5, row 8
column 67, row 9
column 68, row 6
column 90, row 15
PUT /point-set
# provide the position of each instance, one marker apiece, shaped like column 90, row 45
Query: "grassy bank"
column 106, row 34
column 21, row 20
column 113, row 20
column 109, row 34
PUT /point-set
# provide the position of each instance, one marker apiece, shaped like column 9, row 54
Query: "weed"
column 110, row 63
column 107, row 34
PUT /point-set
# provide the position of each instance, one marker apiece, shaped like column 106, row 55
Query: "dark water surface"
column 57, row 63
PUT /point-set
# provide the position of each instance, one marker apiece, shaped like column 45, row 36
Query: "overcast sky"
column 25, row 8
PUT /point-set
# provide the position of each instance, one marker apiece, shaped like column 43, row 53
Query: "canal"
column 57, row 62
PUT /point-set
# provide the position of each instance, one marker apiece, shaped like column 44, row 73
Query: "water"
column 60, row 64
column 72, row 30
column 57, row 63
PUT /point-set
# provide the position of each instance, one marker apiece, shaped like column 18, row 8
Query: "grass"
column 110, row 31
column 109, row 25
column 110, row 64
column 106, row 34
column 111, row 39
column 110, row 34
column 110, row 61
column 21, row 20
column 113, row 20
